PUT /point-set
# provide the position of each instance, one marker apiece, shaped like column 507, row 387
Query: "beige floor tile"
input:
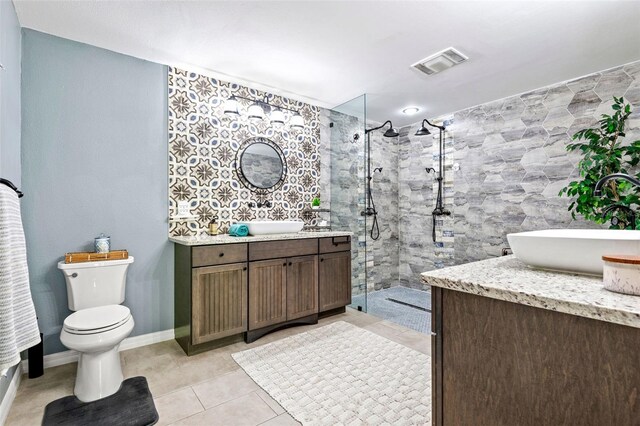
column 216, row 378
column 282, row 420
column 249, row 410
column 134, row 356
column 277, row 408
column 31, row 417
column 185, row 371
column 382, row 330
column 395, row 326
column 177, row 405
column 34, row 394
column 359, row 319
column 224, row 388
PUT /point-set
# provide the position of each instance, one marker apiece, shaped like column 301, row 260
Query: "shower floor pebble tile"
column 208, row 388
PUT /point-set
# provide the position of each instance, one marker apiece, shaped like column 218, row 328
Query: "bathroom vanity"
column 229, row 289
column 513, row 345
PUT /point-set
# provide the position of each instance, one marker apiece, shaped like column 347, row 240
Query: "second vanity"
column 229, row 289
column 513, row 345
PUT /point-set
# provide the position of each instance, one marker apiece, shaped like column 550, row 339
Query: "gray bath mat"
column 132, row 405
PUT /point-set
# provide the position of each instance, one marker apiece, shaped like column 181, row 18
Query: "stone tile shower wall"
column 512, row 164
column 513, row 159
column 417, row 194
column 348, row 162
column 203, row 143
column 382, row 254
column 346, row 186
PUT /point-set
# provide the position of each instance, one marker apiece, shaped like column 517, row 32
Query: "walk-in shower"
column 366, row 199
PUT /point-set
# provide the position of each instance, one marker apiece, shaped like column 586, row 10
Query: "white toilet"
column 98, row 325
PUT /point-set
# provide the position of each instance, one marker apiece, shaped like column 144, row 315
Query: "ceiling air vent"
column 440, row 61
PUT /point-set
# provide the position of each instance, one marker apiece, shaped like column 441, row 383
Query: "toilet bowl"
column 98, row 325
column 96, row 333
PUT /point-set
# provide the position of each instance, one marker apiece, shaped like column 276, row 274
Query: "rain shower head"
column 391, row 132
column 423, row 131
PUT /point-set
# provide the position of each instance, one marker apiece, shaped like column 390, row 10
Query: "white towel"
column 18, row 325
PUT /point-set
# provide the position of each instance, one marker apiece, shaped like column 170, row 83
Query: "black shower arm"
column 432, row 125
column 379, row 127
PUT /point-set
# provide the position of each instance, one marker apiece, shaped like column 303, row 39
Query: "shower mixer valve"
column 369, row 211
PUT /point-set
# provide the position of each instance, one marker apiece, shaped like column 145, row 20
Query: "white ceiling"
column 327, row 52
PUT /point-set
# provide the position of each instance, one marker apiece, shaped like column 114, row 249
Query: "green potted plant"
column 603, row 153
column 315, row 204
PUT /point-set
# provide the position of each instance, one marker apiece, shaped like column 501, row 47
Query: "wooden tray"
column 79, row 257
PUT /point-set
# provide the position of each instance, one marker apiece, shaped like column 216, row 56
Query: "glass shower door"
column 347, row 162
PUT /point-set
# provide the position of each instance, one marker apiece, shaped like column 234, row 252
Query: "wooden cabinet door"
column 334, row 280
column 267, row 293
column 302, row 286
column 219, row 302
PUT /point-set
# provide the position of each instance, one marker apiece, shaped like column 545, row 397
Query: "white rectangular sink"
column 572, row 250
column 268, row 227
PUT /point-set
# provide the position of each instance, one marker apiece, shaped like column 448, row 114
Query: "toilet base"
column 99, row 375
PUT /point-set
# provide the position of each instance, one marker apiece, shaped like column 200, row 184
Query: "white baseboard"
column 68, row 357
column 7, row 401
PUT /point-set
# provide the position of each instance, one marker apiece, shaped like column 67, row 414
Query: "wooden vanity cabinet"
column 268, row 293
column 334, row 280
column 210, row 295
column 225, row 293
column 334, row 275
column 302, row 287
column 282, row 290
column 219, row 302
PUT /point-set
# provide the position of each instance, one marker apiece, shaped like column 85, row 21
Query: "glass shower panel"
column 347, row 162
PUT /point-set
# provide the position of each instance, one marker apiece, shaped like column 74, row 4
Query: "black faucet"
column 260, row 204
column 598, row 189
column 615, row 221
column 629, row 211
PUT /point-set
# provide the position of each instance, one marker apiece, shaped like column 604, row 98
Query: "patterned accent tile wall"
column 203, row 144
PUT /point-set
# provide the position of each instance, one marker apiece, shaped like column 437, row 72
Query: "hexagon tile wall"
column 512, row 164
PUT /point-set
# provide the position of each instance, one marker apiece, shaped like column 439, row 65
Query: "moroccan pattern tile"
column 203, row 145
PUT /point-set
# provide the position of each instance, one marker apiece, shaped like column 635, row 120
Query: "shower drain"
column 408, row 304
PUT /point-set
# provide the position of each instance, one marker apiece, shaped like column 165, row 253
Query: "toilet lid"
column 97, row 319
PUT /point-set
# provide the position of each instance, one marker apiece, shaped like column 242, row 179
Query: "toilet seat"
column 97, row 320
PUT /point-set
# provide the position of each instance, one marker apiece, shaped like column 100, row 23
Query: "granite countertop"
column 508, row 279
column 227, row 239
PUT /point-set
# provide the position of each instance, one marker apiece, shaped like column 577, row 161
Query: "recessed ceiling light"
column 410, row 110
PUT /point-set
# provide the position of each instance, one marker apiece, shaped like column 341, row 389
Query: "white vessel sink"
column 572, row 250
column 267, row 227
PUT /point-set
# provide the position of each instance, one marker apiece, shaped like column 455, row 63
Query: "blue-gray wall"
column 9, row 111
column 94, row 159
column 9, row 93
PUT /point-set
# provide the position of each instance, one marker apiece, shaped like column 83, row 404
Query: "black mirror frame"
column 238, row 164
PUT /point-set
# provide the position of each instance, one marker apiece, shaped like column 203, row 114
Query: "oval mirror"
column 262, row 165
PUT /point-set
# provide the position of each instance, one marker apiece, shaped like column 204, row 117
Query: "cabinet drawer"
column 335, row 244
column 283, row 248
column 218, row 254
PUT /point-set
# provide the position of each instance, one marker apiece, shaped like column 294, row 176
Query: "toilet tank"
column 91, row 284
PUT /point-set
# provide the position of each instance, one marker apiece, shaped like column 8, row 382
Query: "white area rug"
column 342, row 374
